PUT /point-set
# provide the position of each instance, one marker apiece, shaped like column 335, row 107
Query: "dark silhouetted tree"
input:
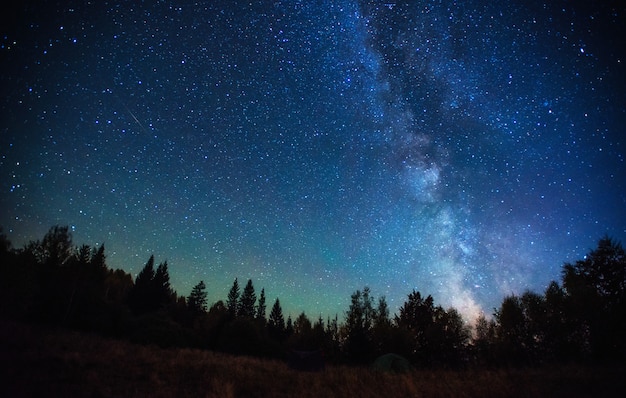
column 596, row 288
column 303, row 337
column 381, row 318
column 118, row 285
column 510, row 327
column 332, row 348
column 260, row 308
column 163, row 293
column 213, row 324
column 357, row 329
column 86, row 275
column 534, row 309
column 197, row 301
column 302, row 324
column 232, row 301
column 276, row 322
column 52, row 257
column 319, row 339
column 56, row 248
column 560, row 342
column 332, row 328
column 484, row 340
column 450, row 338
column 435, row 335
column 152, row 289
column 247, row 300
column 98, row 259
column 140, row 295
column 383, row 336
column 416, row 317
column 289, row 327
column 603, row 270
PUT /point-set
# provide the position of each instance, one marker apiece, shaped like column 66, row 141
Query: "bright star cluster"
column 463, row 149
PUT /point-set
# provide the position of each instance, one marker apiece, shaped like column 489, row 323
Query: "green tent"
column 392, row 363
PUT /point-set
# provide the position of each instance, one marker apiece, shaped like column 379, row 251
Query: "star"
column 465, row 150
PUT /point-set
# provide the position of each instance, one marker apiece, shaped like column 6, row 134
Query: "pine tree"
column 152, row 289
column 247, row 300
column 289, row 327
column 98, row 258
column 260, row 308
column 163, row 293
column 197, row 300
column 232, row 300
column 302, row 324
column 276, row 322
column 139, row 297
column 332, row 328
column 145, row 276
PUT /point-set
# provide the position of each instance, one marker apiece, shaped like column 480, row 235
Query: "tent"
column 392, row 363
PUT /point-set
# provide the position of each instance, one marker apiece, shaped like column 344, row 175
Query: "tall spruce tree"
column 197, row 301
column 247, row 300
column 276, row 321
column 260, row 308
column 139, row 296
column 152, row 290
column 162, row 290
column 232, row 301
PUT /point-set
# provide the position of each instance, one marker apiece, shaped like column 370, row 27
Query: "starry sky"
column 466, row 149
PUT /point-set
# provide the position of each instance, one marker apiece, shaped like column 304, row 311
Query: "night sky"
column 464, row 149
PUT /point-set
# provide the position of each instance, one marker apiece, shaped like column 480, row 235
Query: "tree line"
column 583, row 318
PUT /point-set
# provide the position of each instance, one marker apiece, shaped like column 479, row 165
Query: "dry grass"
column 62, row 363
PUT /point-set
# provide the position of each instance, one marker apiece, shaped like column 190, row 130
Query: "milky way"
column 463, row 149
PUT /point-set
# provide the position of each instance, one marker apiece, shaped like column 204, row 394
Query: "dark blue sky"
column 463, row 149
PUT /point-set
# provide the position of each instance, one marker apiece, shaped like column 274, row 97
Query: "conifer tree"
column 260, row 308
column 232, row 301
column 152, row 289
column 332, row 328
column 302, row 324
column 98, row 258
column 247, row 300
column 163, row 293
column 146, row 274
column 197, row 300
column 276, row 322
column 140, row 293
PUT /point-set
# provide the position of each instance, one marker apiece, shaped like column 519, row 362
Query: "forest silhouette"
column 582, row 318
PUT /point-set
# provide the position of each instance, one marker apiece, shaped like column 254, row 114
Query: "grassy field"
column 60, row 363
